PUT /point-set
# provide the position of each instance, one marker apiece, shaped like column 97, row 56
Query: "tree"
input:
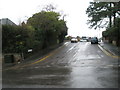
column 61, row 30
column 42, row 30
column 17, row 39
column 113, row 33
column 8, row 38
column 49, row 27
column 99, row 12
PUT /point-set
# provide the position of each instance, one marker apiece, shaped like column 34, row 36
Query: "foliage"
column 42, row 30
column 99, row 12
column 113, row 32
column 50, row 28
column 16, row 39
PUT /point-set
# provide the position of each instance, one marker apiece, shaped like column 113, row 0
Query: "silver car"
column 74, row 40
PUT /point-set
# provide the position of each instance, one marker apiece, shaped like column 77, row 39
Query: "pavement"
column 114, row 50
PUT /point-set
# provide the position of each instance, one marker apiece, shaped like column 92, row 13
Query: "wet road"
column 73, row 65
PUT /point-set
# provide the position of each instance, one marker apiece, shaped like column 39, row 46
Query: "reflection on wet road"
column 73, row 65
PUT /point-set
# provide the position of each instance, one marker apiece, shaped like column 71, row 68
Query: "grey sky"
column 19, row 10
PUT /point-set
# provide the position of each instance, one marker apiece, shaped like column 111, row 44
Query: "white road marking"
column 66, row 43
column 71, row 48
column 102, row 55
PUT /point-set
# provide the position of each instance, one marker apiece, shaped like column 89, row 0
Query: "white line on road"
column 71, row 48
column 66, row 43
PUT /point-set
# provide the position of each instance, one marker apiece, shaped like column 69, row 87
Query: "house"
column 6, row 21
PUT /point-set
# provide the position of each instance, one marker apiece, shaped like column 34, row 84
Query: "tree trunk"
column 114, row 14
column 110, row 16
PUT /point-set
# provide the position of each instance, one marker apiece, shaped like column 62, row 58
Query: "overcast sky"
column 19, row 10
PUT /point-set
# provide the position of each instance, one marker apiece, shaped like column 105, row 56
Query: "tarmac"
column 112, row 49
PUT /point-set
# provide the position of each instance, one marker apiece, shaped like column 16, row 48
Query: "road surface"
column 73, row 65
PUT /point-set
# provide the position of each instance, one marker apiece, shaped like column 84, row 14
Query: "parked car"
column 74, row 40
column 94, row 40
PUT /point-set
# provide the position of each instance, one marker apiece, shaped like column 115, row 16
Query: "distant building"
column 6, row 21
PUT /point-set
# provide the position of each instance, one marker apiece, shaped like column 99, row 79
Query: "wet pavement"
column 73, row 65
column 111, row 48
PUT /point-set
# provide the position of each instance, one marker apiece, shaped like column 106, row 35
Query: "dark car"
column 94, row 40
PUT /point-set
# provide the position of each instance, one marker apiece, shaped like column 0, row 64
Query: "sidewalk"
column 110, row 48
